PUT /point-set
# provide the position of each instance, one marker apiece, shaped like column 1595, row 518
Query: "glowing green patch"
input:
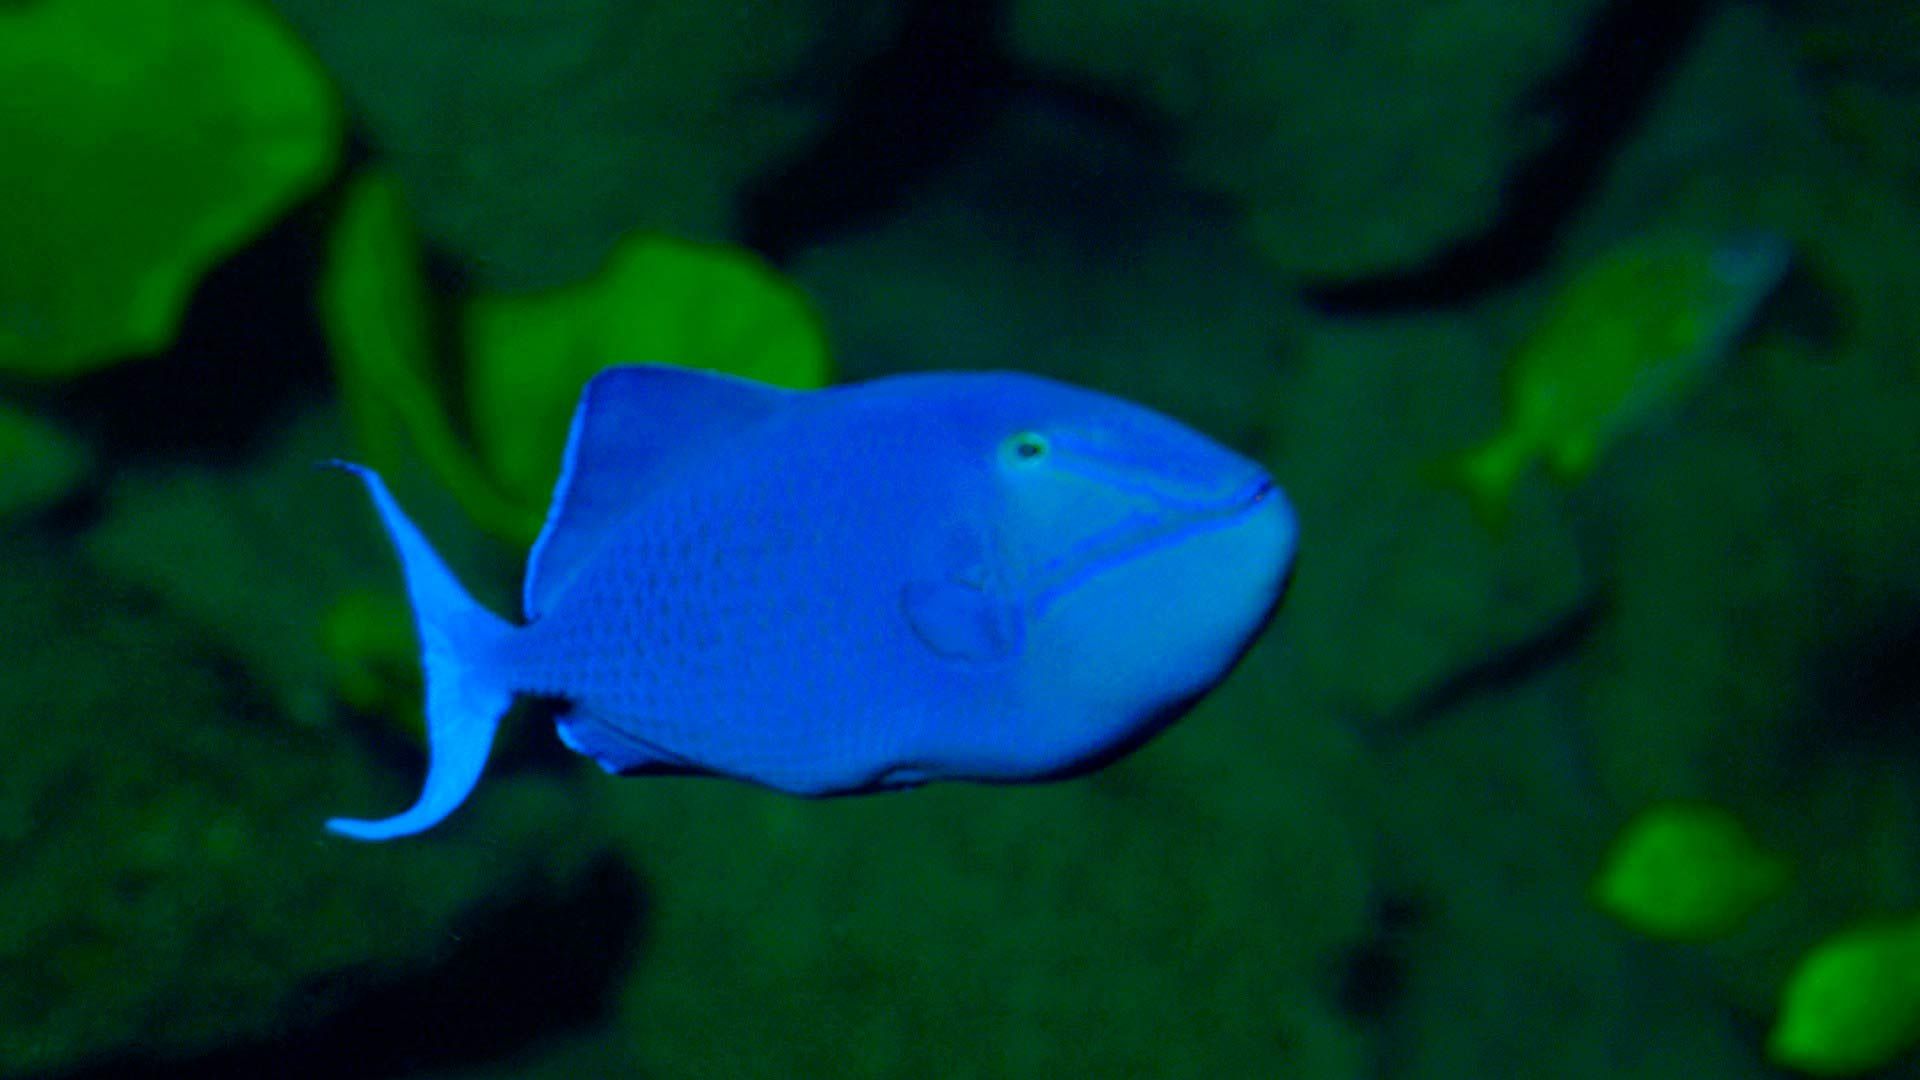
column 1687, row 872
column 1853, row 1003
column 145, row 141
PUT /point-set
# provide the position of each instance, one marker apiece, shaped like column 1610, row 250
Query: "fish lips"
column 1171, row 521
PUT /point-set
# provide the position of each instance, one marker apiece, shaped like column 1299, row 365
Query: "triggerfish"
column 1630, row 335
column 990, row 577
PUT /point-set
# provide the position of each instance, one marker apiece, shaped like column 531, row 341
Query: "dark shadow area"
column 1597, row 102
column 1085, row 169
column 534, row 968
column 247, row 348
column 933, row 94
column 907, row 113
column 1370, row 980
column 1505, row 668
column 1866, row 688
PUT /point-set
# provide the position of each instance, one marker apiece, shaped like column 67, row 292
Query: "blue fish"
column 990, row 577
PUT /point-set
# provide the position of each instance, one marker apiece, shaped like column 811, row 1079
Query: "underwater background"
column 1583, row 335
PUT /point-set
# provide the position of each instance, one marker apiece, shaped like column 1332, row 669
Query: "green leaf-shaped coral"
column 657, row 300
column 524, row 359
column 141, row 142
column 379, row 319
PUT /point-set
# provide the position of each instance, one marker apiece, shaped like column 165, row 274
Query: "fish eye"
column 1025, row 448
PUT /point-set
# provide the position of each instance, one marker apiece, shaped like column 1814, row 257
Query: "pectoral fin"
column 962, row 621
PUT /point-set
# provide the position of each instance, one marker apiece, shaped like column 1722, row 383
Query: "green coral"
column 1853, row 1003
column 1687, row 872
column 168, row 889
column 248, row 555
column 527, row 357
column 145, row 141
column 379, row 317
column 657, row 300
column 1326, row 123
column 532, row 137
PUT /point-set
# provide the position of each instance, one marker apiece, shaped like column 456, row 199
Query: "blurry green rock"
column 39, row 463
column 380, row 323
column 1852, row 1006
column 531, row 137
column 526, row 357
column 250, row 556
column 1355, row 135
column 168, row 886
column 144, row 141
column 1687, row 871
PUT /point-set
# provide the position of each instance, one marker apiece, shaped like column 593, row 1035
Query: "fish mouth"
column 1170, row 520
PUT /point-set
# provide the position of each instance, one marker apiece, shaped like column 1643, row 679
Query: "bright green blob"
column 1853, row 1004
column 144, row 141
column 1687, row 872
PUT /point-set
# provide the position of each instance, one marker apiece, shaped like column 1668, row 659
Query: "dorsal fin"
column 630, row 423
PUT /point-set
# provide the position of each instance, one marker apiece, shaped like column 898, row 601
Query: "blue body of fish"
column 986, row 576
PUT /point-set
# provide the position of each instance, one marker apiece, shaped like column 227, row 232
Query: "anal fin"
column 617, row 751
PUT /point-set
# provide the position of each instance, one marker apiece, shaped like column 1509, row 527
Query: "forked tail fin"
column 460, row 643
